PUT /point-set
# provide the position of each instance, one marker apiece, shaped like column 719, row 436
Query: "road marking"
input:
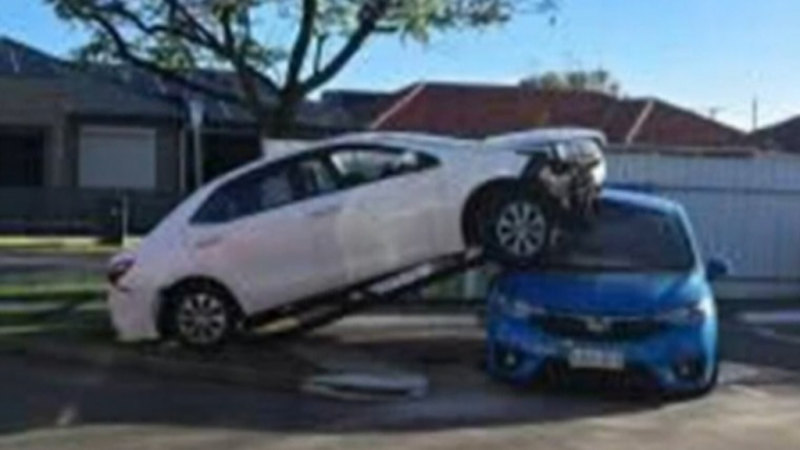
column 782, row 317
column 769, row 333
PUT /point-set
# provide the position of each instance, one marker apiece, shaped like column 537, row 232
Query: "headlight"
column 517, row 308
column 685, row 315
column 119, row 266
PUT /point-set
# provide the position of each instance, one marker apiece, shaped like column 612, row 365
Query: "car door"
column 260, row 233
column 388, row 213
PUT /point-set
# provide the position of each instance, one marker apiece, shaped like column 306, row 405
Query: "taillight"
column 118, row 269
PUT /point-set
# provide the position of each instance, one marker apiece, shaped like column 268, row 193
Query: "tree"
column 599, row 80
column 280, row 50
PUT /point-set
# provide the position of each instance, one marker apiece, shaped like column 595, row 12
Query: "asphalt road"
column 52, row 406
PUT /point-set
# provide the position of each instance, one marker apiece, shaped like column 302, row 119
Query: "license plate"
column 589, row 358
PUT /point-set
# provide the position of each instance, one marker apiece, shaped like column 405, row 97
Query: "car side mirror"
column 716, row 268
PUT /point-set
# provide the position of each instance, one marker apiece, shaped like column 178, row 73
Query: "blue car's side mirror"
column 716, row 268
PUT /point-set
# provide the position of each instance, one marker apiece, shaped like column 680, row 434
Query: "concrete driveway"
column 48, row 405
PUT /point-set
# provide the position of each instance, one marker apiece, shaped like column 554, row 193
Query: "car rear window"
column 624, row 238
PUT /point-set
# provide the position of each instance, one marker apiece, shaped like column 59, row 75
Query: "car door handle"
column 208, row 241
column 325, row 211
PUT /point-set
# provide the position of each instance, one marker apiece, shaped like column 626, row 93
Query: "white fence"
column 744, row 209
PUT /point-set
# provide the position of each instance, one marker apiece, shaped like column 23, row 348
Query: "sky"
column 707, row 55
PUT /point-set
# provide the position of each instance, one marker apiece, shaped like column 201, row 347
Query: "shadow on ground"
column 40, row 393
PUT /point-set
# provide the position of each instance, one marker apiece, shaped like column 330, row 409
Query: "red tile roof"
column 782, row 136
column 475, row 110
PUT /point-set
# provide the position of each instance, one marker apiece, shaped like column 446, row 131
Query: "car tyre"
column 201, row 316
column 516, row 228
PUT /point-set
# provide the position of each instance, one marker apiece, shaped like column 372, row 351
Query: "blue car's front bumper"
column 677, row 358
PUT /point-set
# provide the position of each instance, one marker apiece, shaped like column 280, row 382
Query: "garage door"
column 117, row 158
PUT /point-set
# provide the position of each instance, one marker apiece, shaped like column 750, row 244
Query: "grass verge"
column 62, row 244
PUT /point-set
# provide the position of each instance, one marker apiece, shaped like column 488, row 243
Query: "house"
column 782, row 136
column 479, row 110
column 71, row 136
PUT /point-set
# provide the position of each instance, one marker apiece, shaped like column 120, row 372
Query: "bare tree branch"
column 370, row 14
column 301, row 44
column 248, row 78
column 124, row 52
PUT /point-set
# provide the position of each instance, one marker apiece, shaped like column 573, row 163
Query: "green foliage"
column 291, row 46
column 599, row 80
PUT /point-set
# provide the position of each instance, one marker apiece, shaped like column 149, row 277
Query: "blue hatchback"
column 627, row 298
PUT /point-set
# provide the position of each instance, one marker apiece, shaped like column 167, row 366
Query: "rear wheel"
column 516, row 228
column 201, row 315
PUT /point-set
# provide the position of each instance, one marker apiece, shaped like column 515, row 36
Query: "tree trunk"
column 284, row 116
column 280, row 123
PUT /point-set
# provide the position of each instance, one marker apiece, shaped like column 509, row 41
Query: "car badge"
column 598, row 325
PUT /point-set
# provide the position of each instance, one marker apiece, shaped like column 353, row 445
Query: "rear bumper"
column 676, row 359
column 133, row 314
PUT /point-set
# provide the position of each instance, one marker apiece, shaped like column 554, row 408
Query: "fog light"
column 689, row 369
column 510, row 360
column 507, row 358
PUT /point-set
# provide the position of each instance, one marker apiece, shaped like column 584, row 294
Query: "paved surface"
column 47, row 405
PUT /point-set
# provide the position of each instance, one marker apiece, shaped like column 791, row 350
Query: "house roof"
column 361, row 106
column 82, row 92
column 784, row 136
column 124, row 90
column 480, row 110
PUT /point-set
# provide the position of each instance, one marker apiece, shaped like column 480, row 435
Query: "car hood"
column 606, row 293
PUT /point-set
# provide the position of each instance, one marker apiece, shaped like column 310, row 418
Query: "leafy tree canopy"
column 280, row 50
column 599, row 80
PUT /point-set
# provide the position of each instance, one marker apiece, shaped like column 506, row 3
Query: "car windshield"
column 623, row 238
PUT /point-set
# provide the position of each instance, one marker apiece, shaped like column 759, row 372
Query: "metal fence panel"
column 78, row 211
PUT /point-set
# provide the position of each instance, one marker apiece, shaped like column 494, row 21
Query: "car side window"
column 251, row 193
column 315, row 177
column 366, row 165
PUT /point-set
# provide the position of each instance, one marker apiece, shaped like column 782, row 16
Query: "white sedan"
column 340, row 213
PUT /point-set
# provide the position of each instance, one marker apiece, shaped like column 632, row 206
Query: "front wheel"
column 201, row 316
column 516, row 228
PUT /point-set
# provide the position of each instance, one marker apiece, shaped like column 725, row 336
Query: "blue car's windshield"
column 623, row 238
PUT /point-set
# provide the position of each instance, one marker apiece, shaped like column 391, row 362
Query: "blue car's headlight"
column 694, row 314
column 517, row 308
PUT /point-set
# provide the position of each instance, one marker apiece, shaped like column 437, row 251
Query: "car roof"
column 401, row 139
column 641, row 200
column 544, row 136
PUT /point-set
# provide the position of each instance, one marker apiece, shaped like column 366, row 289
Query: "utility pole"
column 754, row 114
column 196, row 115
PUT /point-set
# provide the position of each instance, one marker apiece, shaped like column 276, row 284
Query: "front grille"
column 597, row 328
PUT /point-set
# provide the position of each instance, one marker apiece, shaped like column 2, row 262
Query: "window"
column 315, row 177
column 625, row 239
column 251, row 193
column 358, row 166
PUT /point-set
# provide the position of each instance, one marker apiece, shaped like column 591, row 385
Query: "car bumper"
column 133, row 314
column 676, row 359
